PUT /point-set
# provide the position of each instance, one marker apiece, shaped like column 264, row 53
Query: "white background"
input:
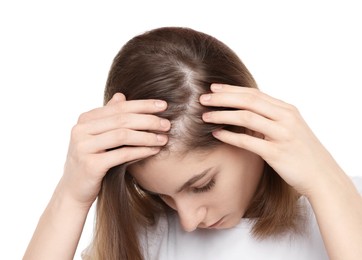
column 55, row 56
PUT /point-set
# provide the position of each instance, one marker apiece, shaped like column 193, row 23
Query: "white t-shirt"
column 167, row 241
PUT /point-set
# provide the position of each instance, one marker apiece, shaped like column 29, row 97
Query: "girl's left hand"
column 287, row 143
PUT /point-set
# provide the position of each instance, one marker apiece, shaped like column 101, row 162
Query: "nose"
column 191, row 214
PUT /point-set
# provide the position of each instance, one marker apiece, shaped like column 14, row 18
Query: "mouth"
column 217, row 223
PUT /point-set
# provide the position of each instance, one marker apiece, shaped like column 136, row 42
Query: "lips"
column 216, row 224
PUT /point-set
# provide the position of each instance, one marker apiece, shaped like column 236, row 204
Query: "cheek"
column 169, row 201
column 250, row 179
column 238, row 186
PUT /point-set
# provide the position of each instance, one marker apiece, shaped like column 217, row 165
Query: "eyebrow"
column 194, row 179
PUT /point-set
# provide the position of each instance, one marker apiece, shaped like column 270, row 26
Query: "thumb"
column 118, row 97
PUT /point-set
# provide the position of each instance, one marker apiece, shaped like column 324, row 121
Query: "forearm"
column 338, row 208
column 59, row 229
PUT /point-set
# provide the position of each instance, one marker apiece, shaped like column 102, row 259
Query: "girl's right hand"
column 121, row 125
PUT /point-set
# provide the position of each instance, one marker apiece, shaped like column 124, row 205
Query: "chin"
column 228, row 222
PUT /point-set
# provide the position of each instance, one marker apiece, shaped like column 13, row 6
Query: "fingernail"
column 164, row 123
column 206, row 116
column 161, row 138
column 216, row 133
column 160, row 104
column 216, row 86
column 205, row 97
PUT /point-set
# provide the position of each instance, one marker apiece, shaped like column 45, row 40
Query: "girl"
column 189, row 160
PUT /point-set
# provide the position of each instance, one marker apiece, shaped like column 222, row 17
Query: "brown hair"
column 177, row 65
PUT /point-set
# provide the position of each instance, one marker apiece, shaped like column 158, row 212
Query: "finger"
column 144, row 106
column 149, row 106
column 238, row 89
column 123, row 137
column 118, row 97
column 244, row 141
column 243, row 118
column 246, row 101
column 126, row 154
column 130, row 121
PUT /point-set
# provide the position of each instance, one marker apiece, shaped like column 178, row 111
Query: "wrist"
column 333, row 183
column 326, row 179
column 337, row 206
column 63, row 198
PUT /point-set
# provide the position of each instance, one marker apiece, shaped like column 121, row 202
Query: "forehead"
column 171, row 164
column 169, row 170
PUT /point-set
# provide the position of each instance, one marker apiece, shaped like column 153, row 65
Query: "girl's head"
column 178, row 65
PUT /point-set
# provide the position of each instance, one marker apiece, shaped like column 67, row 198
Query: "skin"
column 223, row 193
column 118, row 123
column 289, row 146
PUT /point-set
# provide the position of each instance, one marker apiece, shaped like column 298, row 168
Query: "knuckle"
column 149, row 122
column 247, row 116
column 79, row 148
column 83, row 117
column 293, row 109
column 240, row 142
column 122, row 135
column 250, row 98
column 76, row 132
column 125, row 155
column 121, row 120
column 252, row 90
column 287, row 133
column 292, row 114
column 150, row 139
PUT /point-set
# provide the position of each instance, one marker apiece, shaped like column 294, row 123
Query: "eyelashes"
column 206, row 187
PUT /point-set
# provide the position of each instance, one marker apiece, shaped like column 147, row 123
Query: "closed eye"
column 205, row 188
